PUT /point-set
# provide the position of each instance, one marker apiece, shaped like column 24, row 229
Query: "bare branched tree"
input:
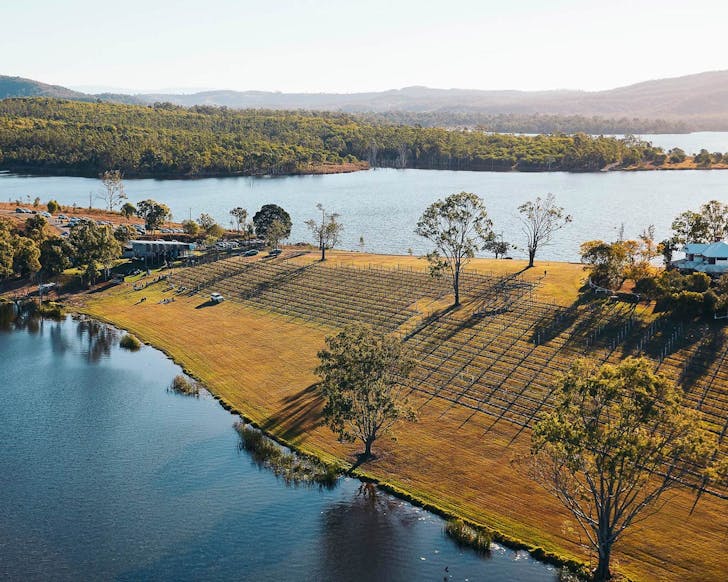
column 240, row 215
column 540, row 219
column 113, row 193
column 327, row 232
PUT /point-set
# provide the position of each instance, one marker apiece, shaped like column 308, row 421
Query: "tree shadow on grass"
column 103, row 287
column 300, row 413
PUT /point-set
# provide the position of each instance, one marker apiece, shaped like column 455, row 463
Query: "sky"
column 347, row 46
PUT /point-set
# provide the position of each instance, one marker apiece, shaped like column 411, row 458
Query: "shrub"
column 50, row 310
column 130, row 342
column 687, row 304
column 704, row 158
column 184, row 385
column 53, row 206
column 677, row 155
column 292, row 468
column 711, row 302
column 647, row 287
column 698, row 282
column 465, row 535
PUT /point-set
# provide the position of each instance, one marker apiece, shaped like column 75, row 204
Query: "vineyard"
column 500, row 354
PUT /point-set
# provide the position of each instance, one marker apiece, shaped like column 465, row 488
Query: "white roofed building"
column 710, row 258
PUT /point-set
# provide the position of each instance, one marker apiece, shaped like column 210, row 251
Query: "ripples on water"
column 106, row 474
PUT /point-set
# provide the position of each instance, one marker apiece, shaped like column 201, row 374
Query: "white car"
column 216, row 298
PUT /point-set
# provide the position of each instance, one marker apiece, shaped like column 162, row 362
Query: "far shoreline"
column 346, row 168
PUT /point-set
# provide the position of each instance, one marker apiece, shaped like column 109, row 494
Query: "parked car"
column 216, row 298
column 275, row 252
column 62, row 217
column 46, row 215
column 20, row 210
column 250, row 253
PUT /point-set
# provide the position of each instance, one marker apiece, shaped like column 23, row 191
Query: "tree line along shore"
column 50, row 136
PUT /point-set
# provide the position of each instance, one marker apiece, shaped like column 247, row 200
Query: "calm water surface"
column 383, row 205
column 106, row 475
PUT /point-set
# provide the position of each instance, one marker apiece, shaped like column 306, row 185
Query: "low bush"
column 465, row 535
column 183, row 385
column 130, row 342
column 292, row 468
column 50, row 310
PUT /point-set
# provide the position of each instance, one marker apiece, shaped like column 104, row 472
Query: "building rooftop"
column 159, row 242
column 695, row 248
column 716, row 250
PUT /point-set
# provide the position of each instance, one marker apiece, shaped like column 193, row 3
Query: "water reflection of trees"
column 363, row 538
column 13, row 318
column 96, row 339
column 7, row 316
column 59, row 343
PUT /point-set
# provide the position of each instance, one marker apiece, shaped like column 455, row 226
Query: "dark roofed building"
column 156, row 251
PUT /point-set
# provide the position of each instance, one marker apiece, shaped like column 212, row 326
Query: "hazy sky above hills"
column 341, row 46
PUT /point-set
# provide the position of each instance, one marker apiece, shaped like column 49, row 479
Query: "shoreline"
column 513, row 543
column 346, row 168
column 257, row 363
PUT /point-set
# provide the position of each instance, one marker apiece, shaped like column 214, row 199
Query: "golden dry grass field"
column 458, row 456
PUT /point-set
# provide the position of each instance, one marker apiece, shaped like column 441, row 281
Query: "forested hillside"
column 48, row 135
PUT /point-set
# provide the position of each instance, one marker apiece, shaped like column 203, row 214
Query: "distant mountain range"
column 698, row 101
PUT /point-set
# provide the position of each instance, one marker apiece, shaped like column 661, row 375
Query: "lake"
column 383, row 205
column 107, row 475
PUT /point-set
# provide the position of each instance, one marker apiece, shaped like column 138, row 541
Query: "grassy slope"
column 261, row 365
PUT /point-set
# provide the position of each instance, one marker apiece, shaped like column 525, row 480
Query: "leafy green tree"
column 617, row 440
column 93, row 244
column 677, row 156
column 35, row 228
column 708, row 224
column 154, row 213
column 458, row 226
column 269, row 213
column 498, row 247
column 53, row 206
column 703, row 158
column 206, row 222
column 540, row 219
column 277, row 231
column 211, row 229
column 715, row 215
column 689, row 226
column 124, row 233
column 26, row 258
column 361, row 373
column 326, row 233
column 113, row 193
column 191, row 227
column 128, row 210
column 609, row 263
column 7, row 250
column 55, row 255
